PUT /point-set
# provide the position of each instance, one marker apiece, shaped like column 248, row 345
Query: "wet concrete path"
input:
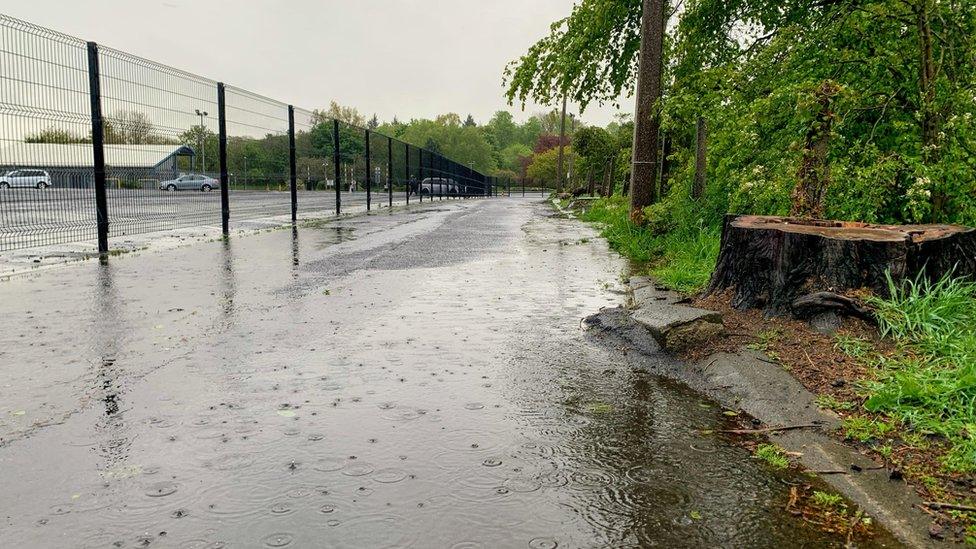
column 417, row 379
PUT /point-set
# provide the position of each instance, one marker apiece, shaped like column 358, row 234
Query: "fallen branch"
column 768, row 429
column 954, row 506
column 794, row 497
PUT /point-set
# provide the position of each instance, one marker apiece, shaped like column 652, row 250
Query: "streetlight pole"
column 203, row 135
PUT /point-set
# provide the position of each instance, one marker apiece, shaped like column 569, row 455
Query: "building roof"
column 79, row 155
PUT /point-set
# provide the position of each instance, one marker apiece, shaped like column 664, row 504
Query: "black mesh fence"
column 46, row 165
column 159, row 143
column 96, row 143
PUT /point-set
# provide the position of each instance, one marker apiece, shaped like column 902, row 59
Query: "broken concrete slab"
column 673, row 325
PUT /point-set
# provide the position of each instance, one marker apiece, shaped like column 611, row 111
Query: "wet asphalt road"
column 414, row 379
column 31, row 217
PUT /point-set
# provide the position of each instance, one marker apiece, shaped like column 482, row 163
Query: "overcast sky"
column 409, row 58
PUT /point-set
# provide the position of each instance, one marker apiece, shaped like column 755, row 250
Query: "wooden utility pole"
column 647, row 115
column 562, row 139
column 572, row 153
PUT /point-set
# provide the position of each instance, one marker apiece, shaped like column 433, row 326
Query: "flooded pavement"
column 418, row 379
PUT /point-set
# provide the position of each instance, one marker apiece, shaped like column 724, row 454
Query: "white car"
column 190, row 182
column 438, row 186
column 34, row 179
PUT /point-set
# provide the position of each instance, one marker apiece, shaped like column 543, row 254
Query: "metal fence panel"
column 161, row 141
column 46, row 192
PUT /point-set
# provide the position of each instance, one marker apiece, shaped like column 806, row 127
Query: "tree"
column 373, row 123
column 590, row 56
column 511, row 157
column 469, row 122
column 595, row 146
column 126, row 127
column 501, row 131
column 544, row 166
column 55, row 135
column 647, row 117
column 204, row 144
column 905, row 131
column 447, row 135
column 351, row 143
column 348, row 115
column 547, row 141
column 432, row 146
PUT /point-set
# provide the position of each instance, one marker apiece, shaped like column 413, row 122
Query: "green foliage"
column 827, row 500
column 596, row 147
column 854, row 347
column 750, row 68
column 682, row 258
column 930, row 384
column 773, row 455
column 865, row 430
column 589, row 55
column 543, row 166
column 829, row 402
column 56, row 135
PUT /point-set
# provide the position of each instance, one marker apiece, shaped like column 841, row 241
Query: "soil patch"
column 825, row 366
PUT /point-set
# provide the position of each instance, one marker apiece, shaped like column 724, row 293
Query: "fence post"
column 98, row 148
column 389, row 169
column 369, row 176
column 222, row 153
column 406, row 169
column 292, row 164
column 420, row 185
column 335, row 163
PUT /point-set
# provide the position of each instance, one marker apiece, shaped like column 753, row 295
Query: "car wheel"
column 41, row 186
column 171, row 187
column 206, row 188
column 4, row 185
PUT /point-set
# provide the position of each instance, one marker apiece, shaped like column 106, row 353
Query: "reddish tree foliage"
column 524, row 162
column 547, row 141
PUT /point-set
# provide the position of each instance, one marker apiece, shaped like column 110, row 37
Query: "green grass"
column 866, row 430
column 681, row 258
column 929, row 385
column 773, row 455
column 854, row 347
column 827, row 500
column 829, row 402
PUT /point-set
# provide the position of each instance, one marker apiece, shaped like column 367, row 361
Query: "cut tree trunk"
column 809, row 267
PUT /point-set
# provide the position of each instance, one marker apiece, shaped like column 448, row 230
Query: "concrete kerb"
column 751, row 382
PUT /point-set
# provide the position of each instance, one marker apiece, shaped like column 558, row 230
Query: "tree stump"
column 806, row 267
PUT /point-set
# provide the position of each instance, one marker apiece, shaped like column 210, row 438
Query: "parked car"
column 190, row 181
column 438, row 186
column 35, row 179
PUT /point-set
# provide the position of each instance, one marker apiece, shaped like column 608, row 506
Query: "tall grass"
column 681, row 258
column 930, row 384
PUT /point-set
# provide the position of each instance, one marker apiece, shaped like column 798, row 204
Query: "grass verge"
column 928, row 383
column 681, row 256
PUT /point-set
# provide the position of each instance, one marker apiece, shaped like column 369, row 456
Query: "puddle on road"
column 458, row 405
